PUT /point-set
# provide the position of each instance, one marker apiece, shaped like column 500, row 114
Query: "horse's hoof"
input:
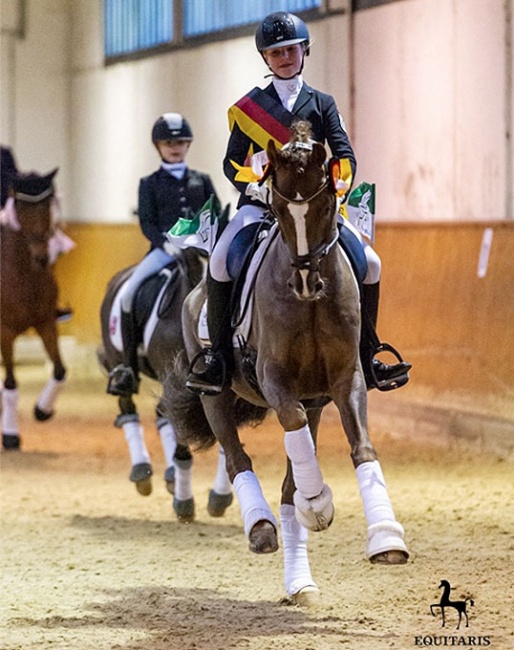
column 141, row 475
column 385, row 543
column 390, row 557
column 169, row 479
column 263, row 538
column 42, row 416
column 185, row 510
column 218, row 503
column 307, row 597
column 11, row 441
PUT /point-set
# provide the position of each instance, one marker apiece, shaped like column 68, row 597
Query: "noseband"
column 310, row 261
column 35, row 239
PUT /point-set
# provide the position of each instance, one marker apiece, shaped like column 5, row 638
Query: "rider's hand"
column 258, row 192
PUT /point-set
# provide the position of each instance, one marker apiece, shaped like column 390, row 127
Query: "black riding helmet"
column 171, row 126
column 279, row 30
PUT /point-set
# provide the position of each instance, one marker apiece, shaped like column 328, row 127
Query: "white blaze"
column 298, row 213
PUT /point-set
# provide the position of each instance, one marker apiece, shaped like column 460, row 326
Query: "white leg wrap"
column 384, row 532
column 297, row 572
column 134, row 435
column 10, row 411
column 222, row 484
column 302, row 454
column 251, row 501
column 377, row 506
column 48, row 395
column 168, row 439
column 183, row 479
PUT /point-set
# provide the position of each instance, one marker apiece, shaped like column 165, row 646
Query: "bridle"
column 310, row 261
column 33, row 239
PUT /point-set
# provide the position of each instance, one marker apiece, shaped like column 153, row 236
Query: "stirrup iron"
column 395, row 382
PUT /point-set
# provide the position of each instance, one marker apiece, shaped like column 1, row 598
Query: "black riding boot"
column 124, row 379
column 378, row 374
column 218, row 360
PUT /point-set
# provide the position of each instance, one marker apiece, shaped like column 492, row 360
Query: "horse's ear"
column 272, row 151
column 50, row 176
column 319, row 154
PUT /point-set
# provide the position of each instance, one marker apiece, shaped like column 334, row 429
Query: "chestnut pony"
column 28, row 292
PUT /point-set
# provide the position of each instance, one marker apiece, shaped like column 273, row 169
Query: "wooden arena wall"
column 455, row 327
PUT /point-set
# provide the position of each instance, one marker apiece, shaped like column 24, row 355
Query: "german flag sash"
column 262, row 118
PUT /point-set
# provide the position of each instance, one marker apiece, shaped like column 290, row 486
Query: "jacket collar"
column 304, row 97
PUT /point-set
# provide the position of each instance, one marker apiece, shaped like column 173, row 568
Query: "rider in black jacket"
column 263, row 114
column 171, row 192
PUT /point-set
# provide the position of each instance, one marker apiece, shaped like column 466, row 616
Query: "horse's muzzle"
column 307, row 284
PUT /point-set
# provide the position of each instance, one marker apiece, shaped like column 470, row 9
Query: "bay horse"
column 158, row 307
column 29, row 292
column 303, row 351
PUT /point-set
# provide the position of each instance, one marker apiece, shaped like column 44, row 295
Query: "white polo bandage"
column 302, row 454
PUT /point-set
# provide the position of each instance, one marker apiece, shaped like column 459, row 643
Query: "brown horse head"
column 33, row 195
column 304, row 204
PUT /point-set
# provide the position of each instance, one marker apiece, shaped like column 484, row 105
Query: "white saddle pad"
column 242, row 331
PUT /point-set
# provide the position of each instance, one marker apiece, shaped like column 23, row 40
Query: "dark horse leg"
column 128, row 420
column 44, row 408
column 179, row 463
column 259, row 523
column 10, row 429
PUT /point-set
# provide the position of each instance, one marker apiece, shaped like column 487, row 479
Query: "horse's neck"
column 15, row 252
column 445, row 598
column 195, row 267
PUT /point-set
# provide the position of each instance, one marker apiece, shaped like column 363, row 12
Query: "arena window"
column 136, row 25
column 204, row 16
column 138, row 28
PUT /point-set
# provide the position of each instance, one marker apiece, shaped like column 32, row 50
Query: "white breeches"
column 152, row 263
column 248, row 214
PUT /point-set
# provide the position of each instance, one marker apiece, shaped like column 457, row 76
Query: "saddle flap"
column 147, row 305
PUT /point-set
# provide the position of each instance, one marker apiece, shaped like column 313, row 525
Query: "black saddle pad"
column 355, row 251
column 242, row 248
column 148, row 292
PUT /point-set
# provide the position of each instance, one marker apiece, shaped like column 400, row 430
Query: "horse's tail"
column 183, row 408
